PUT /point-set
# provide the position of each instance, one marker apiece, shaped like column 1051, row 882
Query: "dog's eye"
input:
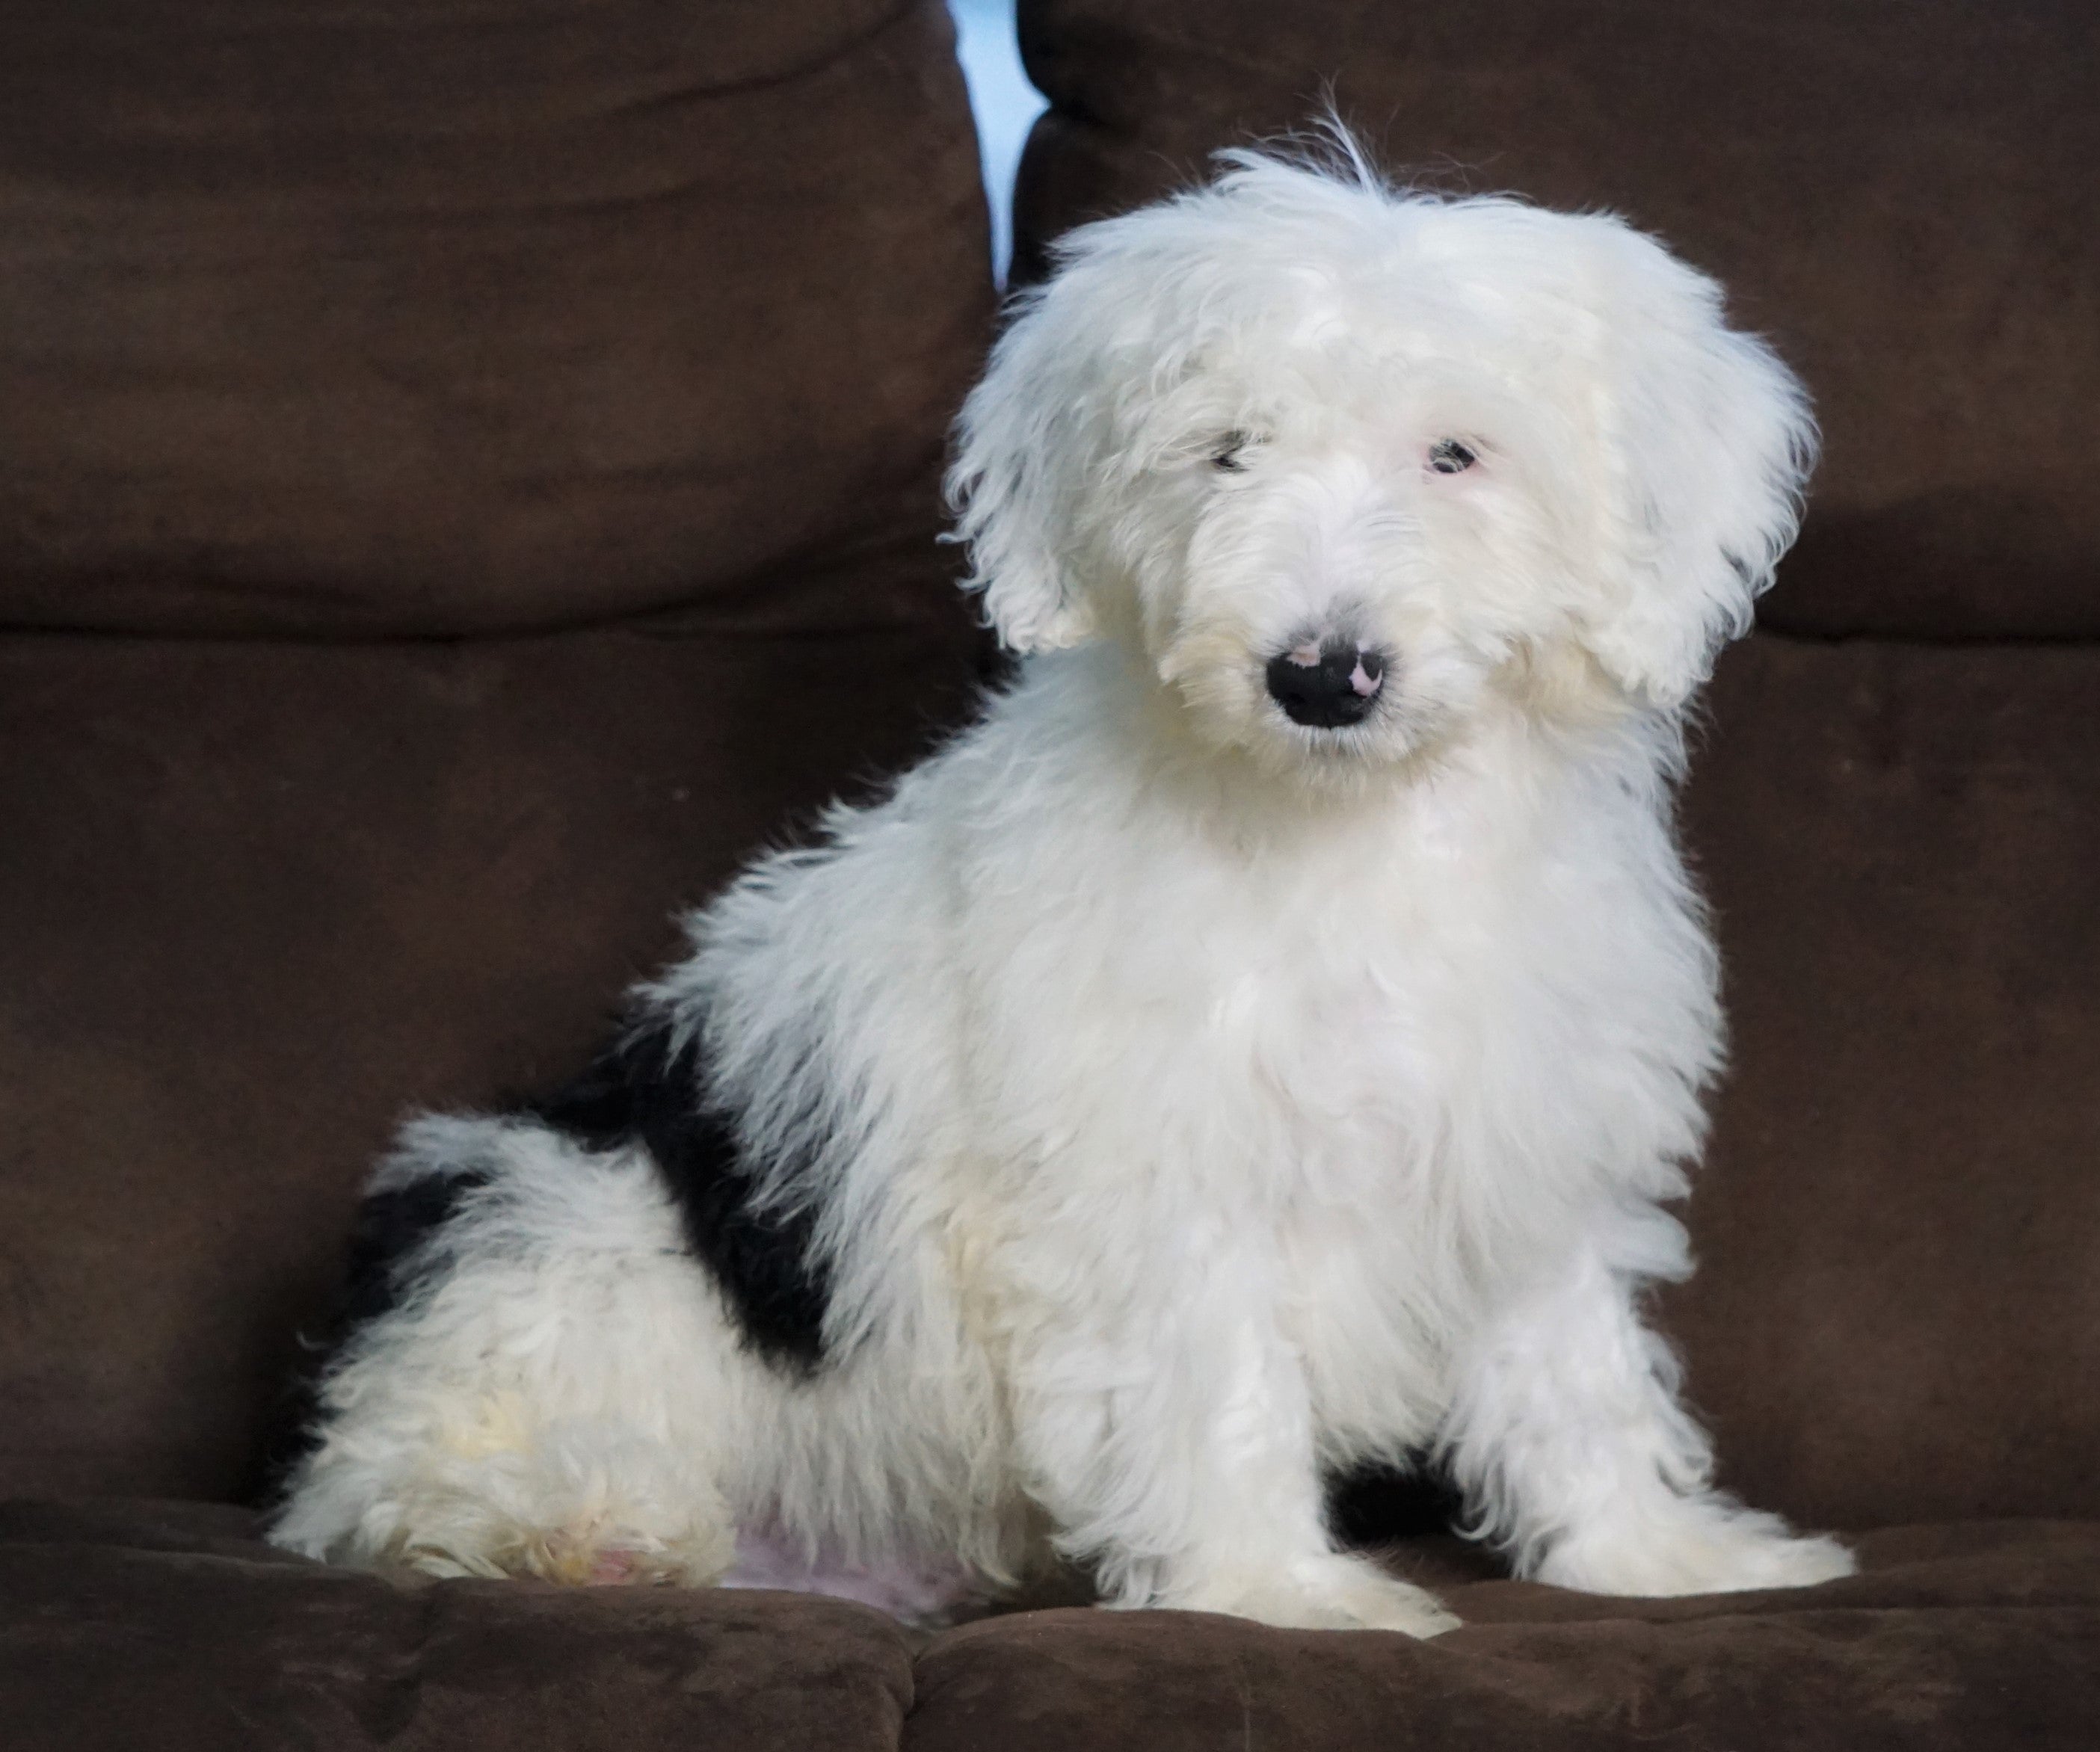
column 1227, row 455
column 1449, row 456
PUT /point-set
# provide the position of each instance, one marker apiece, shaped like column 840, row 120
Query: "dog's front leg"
column 1567, row 1436
column 1172, row 1444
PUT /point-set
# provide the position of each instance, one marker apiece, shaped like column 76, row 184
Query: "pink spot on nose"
column 1366, row 684
column 1306, row 655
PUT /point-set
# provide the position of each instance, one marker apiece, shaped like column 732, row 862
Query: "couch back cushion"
column 1896, row 1315
column 1900, row 192
column 435, row 316
column 265, row 897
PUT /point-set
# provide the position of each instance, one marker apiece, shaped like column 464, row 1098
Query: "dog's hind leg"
column 1576, row 1456
column 578, row 1504
column 547, row 1389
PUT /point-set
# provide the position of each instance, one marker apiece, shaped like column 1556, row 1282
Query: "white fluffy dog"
column 1261, row 1044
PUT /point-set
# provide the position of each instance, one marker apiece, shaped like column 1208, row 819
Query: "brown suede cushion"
column 262, row 899
column 124, row 1625
column 1955, row 1639
column 435, row 315
column 1898, row 1316
column 1901, row 192
column 169, row 1628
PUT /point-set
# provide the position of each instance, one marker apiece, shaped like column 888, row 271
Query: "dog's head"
column 1343, row 462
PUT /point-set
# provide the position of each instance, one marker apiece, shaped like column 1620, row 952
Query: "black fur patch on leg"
column 646, row 1091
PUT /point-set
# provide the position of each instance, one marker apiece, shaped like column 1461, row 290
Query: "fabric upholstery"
column 1897, row 1314
column 263, row 898
column 435, row 316
column 1954, row 1638
column 169, row 1624
column 1901, row 195
column 174, row 1628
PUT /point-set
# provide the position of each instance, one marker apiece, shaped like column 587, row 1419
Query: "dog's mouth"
column 1328, row 684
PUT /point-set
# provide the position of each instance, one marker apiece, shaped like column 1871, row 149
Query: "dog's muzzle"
column 1328, row 685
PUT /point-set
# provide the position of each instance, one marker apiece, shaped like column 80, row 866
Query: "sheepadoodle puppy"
column 1264, row 1042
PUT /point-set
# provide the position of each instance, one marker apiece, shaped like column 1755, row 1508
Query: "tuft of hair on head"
column 1326, row 147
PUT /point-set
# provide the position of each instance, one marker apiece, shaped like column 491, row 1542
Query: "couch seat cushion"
column 173, row 1627
column 171, row 1624
column 1953, row 1637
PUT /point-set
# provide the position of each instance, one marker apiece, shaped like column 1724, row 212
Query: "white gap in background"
column 1006, row 106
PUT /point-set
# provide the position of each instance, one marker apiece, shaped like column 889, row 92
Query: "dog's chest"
column 1425, row 1014
column 1388, row 974
column 1370, row 1017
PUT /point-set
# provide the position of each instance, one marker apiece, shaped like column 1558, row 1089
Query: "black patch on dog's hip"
column 391, row 1229
column 648, row 1089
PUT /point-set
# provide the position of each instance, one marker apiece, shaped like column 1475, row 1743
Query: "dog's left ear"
column 1022, row 443
column 1707, row 440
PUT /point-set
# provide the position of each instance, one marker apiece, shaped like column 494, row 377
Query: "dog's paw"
column 1705, row 1548
column 1330, row 1592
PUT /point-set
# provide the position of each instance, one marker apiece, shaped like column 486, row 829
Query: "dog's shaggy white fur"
column 1261, row 1044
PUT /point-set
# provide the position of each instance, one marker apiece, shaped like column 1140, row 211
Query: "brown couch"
column 466, row 477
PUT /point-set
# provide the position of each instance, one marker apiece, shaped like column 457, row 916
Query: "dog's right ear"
column 1016, row 482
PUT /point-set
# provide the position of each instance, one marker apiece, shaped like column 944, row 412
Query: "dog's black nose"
column 1326, row 685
